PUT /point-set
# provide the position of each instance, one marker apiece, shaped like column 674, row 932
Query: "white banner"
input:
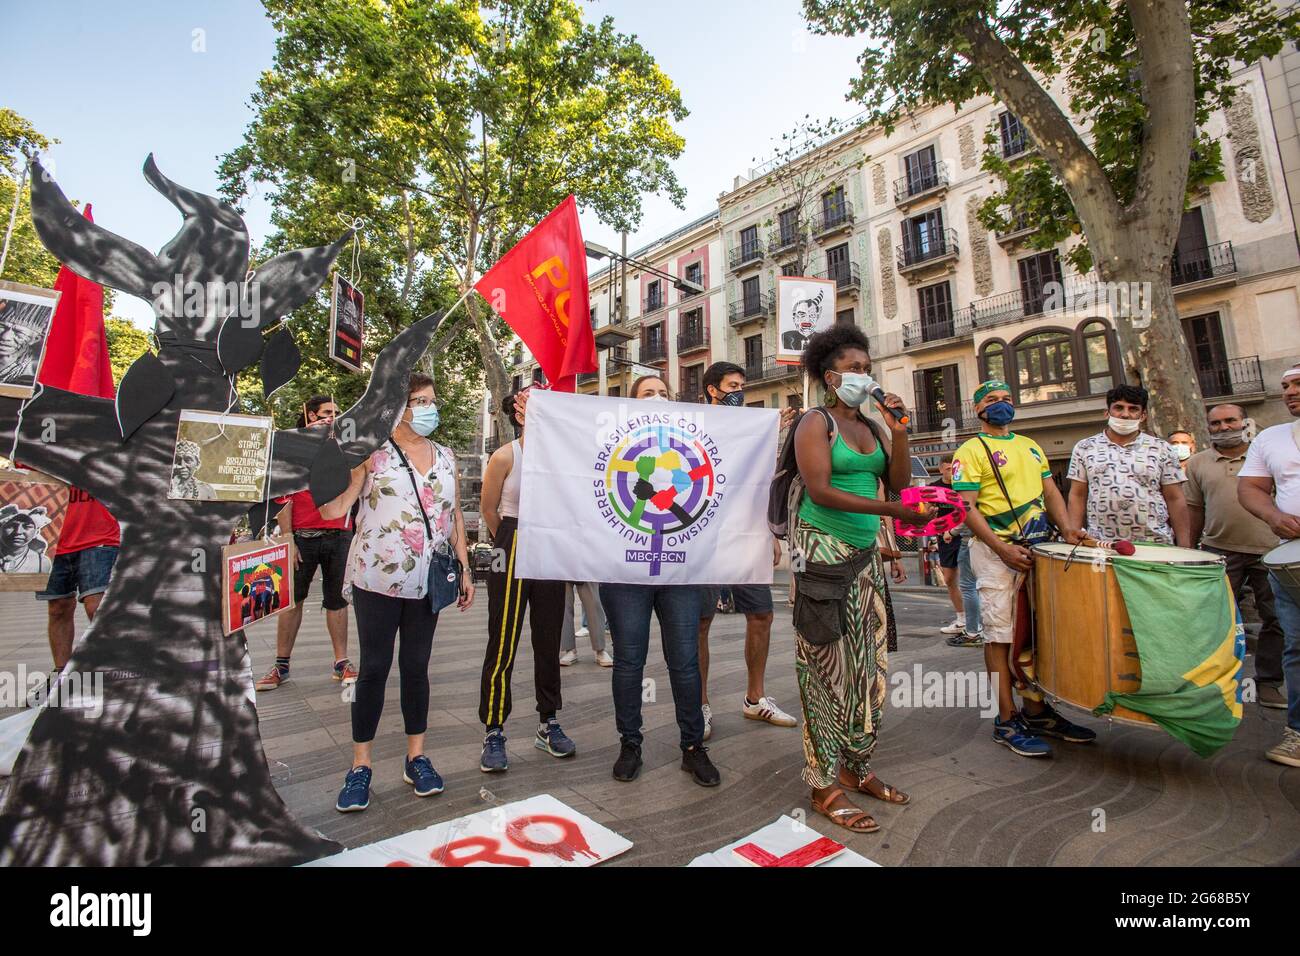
column 645, row 492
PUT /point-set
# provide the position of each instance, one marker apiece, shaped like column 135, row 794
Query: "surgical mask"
column 999, row 413
column 734, row 399
column 1123, row 426
column 854, row 388
column 1184, row 453
column 424, row 420
column 656, row 398
column 1228, row 439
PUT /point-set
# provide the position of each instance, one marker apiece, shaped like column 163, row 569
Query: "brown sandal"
column 888, row 794
column 847, row 817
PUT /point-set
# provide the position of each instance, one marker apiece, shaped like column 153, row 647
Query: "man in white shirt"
column 1126, row 485
column 1268, row 486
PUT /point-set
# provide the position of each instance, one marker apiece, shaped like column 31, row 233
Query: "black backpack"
column 785, row 493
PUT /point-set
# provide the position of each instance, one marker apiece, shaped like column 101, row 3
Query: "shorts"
column 748, row 599
column 948, row 552
column 997, row 586
column 80, row 574
column 329, row 552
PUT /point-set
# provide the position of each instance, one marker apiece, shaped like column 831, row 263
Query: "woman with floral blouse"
column 387, row 582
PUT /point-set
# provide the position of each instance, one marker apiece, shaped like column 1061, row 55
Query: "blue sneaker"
column 554, row 740
column 355, row 794
column 1015, row 735
column 494, row 759
column 420, row 772
column 1051, row 724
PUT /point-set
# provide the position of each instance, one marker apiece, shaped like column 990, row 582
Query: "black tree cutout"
column 172, row 771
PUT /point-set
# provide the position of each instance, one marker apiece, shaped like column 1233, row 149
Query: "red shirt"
column 87, row 524
column 305, row 514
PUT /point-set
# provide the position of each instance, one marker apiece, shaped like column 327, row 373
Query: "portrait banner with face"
column 347, row 324
column 32, row 509
column 256, row 581
column 803, row 307
column 220, row 457
column 26, row 313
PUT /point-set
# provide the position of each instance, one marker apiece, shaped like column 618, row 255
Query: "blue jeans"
column 1288, row 615
column 628, row 608
column 970, row 595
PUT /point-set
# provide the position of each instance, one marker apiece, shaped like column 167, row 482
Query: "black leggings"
column 379, row 618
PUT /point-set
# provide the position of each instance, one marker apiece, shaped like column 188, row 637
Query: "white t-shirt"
column 1273, row 454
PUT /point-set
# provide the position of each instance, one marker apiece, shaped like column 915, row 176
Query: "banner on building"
column 645, row 492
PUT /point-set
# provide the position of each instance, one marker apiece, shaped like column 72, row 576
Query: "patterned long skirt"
column 842, row 685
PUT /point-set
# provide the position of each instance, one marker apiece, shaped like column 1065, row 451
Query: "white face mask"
column 1123, row 426
column 1184, row 453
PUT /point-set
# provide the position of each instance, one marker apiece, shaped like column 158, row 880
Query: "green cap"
column 992, row 385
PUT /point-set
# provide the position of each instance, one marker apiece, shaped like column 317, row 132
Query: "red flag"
column 76, row 360
column 540, row 288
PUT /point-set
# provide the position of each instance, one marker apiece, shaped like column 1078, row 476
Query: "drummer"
column 1268, row 486
column 1006, row 482
column 1128, row 484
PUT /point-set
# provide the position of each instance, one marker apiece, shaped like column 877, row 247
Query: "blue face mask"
column 424, row 420
column 999, row 413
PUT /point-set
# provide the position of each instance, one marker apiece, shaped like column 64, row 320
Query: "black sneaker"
column 628, row 764
column 696, row 762
column 1048, row 723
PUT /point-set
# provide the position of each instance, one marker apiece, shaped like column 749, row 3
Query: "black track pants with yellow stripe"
column 508, row 598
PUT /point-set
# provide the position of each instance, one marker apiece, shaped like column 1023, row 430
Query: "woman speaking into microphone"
column 841, row 615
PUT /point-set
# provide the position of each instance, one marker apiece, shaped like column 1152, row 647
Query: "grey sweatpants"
column 595, row 617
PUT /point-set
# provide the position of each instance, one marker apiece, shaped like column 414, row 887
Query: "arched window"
column 1045, row 366
column 1099, row 371
column 993, row 361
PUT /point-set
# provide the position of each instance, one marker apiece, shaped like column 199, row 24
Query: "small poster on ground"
column 539, row 831
column 256, row 581
column 220, row 457
column 803, row 307
column 32, row 508
column 347, row 324
column 26, row 313
column 785, row 842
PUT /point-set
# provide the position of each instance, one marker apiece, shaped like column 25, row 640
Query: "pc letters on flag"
column 645, row 492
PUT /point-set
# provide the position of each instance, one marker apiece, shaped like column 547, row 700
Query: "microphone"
column 878, row 393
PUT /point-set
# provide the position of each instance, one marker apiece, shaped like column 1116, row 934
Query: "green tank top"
column 857, row 474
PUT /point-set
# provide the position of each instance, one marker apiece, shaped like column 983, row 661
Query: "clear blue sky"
column 116, row 79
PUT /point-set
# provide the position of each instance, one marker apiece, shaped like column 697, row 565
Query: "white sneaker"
column 1288, row 750
column 581, row 632
column 766, row 709
column 568, row 658
column 708, row 720
column 956, row 627
column 603, row 659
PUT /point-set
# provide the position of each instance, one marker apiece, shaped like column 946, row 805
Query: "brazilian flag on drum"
column 1191, row 644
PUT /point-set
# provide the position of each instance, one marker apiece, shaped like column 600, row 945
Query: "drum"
column 1084, row 645
column 1284, row 562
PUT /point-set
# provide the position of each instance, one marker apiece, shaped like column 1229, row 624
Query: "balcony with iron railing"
column 751, row 308
column 768, row 370
column 781, row 239
column 653, row 303
column 1020, row 227
column 654, row 349
column 616, row 361
column 586, row 378
column 692, row 337
column 938, row 248
column 1232, row 377
column 744, row 255
column 1017, row 144
column 833, row 217
column 937, row 325
column 844, row 274
column 927, row 180
column 1204, row 266
column 940, row 418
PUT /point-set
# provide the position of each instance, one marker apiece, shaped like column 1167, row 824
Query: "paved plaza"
column 1136, row 797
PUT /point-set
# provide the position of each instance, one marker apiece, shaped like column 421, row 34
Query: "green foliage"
column 28, row 260
column 451, row 129
column 126, row 343
column 1087, row 48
